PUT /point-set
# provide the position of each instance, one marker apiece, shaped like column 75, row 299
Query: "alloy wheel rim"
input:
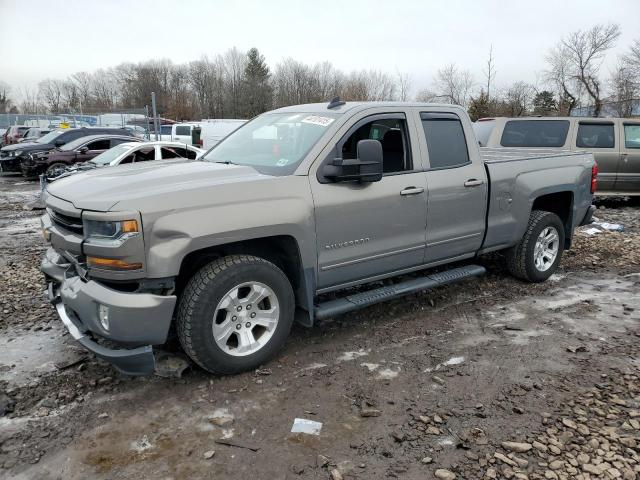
column 546, row 249
column 245, row 319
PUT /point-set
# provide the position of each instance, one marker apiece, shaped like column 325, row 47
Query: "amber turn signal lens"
column 129, row 226
column 112, row 264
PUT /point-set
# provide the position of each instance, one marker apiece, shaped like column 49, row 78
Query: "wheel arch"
column 281, row 250
column 560, row 203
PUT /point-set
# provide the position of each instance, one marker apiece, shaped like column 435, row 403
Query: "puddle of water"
column 347, row 356
column 31, row 353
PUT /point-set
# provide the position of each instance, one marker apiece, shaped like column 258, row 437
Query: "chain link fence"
column 625, row 109
column 137, row 120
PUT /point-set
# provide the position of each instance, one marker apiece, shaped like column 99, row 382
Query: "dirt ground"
column 491, row 378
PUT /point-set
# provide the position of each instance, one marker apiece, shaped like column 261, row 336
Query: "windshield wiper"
column 226, row 162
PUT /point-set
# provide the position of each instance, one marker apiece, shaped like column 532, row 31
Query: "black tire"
column 201, row 296
column 520, row 258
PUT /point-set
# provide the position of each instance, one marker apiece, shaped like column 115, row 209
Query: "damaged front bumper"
column 135, row 321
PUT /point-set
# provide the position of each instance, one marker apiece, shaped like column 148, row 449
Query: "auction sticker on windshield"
column 317, row 120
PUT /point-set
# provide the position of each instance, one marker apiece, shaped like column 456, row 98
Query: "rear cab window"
column 595, row 135
column 535, row 133
column 446, row 142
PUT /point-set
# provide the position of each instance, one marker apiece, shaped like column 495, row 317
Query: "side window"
column 446, row 142
column 172, row 152
column 392, row 134
column 99, row 145
column 595, row 135
column 632, row 136
column 127, row 159
column 118, row 141
column 145, row 154
column 183, row 130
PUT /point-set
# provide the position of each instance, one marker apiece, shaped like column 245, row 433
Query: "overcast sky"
column 49, row 38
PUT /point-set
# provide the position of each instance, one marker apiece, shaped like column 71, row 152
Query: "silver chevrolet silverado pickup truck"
column 228, row 250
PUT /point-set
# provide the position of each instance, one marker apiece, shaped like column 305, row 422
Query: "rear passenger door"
column 456, row 187
column 599, row 138
column 628, row 178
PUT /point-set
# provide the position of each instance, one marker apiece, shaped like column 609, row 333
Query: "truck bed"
column 512, row 154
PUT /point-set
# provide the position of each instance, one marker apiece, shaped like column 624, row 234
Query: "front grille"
column 67, row 222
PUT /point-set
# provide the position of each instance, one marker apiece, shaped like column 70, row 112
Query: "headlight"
column 17, row 153
column 99, row 230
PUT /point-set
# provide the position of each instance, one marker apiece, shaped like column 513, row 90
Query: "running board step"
column 342, row 305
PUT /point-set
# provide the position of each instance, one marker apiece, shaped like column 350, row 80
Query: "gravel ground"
column 490, row 378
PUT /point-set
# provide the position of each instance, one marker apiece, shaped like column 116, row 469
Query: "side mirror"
column 366, row 168
column 83, row 150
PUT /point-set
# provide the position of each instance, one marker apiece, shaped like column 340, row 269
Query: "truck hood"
column 104, row 188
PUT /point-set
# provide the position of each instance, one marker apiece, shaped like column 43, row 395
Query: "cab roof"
column 354, row 106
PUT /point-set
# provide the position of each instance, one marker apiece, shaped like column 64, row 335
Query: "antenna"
column 335, row 102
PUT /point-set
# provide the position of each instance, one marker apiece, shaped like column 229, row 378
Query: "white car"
column 134, row 152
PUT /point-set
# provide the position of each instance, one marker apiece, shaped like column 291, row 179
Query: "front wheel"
column 538, row 254
column 55, row 169
column 235, row 313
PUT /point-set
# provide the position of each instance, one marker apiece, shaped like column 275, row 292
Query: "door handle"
column 624, row 156
column 472, row 182
column 412, row 191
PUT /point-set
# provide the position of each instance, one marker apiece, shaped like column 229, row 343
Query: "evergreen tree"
column 544, row 104
column 480, row 106
column 257, row 89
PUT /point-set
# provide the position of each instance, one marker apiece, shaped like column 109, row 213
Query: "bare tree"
column 560, row 75
column 490, row 72
column 454, row 85
column 518, row 99
column 50, row 90
column 404, row 86
column 30, row 102
column 625, row 87
column 585, row 50
column 632, row 58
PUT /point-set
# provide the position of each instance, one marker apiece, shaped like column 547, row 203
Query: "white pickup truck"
column 211, row 131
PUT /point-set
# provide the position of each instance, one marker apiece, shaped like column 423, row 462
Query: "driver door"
column 365, row 230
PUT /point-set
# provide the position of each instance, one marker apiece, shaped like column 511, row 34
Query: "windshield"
column 273, row 143
column 50, row 137
column 110, row 155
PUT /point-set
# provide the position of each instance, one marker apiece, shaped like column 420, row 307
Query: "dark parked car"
column 14, row 134
column 80, row 150
column 11, row 156
column 33, row 134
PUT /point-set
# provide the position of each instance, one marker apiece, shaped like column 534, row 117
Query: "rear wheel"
column 235, row 314
column 538, row 254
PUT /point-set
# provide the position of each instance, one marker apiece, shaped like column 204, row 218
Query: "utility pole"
column 156, row 122
column 490, row 72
